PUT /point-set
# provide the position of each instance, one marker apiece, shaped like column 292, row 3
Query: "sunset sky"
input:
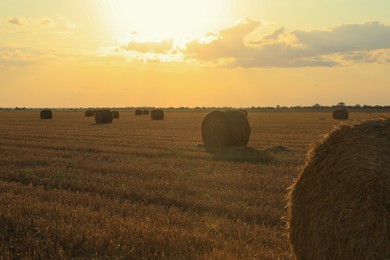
column 240, row 53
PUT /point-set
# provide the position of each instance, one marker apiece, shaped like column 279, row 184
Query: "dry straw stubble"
column 339, row 206
column 225, row 128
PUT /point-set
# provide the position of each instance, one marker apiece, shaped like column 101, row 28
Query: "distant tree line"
column 277, row 107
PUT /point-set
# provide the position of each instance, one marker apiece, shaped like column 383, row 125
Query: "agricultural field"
column 144, row 189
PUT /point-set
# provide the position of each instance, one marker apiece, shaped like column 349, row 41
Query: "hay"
column 103, row 116
column 339, row 206
column 244, row 111
column 46, row 114
column 341, row 114
column 145, row 112
column 89, row 113
column 157, row 114
column 115, row 114
column 225, row 128
column 138, row 112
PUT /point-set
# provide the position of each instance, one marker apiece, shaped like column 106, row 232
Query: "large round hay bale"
column 145, row 112
column 138, row 112
column 89, row 113
column 115, row 114
column 341, row 114
column 339, row 206
column 225, row 128
column 103, row 116
column 244, row 111
column 46, row 114
column 157, row 114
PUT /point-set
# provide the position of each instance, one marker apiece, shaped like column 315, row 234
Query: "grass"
column 143, row 189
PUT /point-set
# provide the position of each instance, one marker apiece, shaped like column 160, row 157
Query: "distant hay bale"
column 103, row 116
column 115, row 114
column 157, row 114
column 341, row 114
column 89, row 113
column 46, row 114
column 339, row 206
column 138, row 112
column 145, row 112
column 225, row 128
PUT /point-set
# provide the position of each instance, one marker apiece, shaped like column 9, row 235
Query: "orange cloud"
column 330, row 47
column 149, row 47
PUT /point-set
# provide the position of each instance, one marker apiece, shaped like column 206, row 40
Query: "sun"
column 161, row 19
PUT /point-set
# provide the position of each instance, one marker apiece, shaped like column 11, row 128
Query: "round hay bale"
column 90, row 113
column 46, row 114
column 225, row 128
column 244, row 111
column 145, row 112
column 157, row 114
column 115, row 114
column 138, row 112
column 339, row 206
column 340, row 114
column 103, row 116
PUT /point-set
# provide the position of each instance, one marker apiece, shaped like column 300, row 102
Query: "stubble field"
column 143, row 189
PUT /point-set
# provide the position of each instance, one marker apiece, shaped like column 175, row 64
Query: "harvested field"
column 70, row 188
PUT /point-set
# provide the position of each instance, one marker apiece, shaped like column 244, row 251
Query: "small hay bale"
column 225, row 128
column 145, row 112
column 103, row 116
column 340, row 114
column 90, row 113
column 157, row 114
column 115, row 114
column 46, row 114
column 339, row 206
column 138, row 112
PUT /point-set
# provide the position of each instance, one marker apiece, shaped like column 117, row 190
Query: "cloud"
column 342, row 45
column 17, row 57
column 46, row 22
column 25, row 25
column 149, row 47
column 376, row 56
column 275, row 34
column 228, row 43
column 15, row 21
column 347, row 38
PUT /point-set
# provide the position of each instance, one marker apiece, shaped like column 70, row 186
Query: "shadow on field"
column 238, row 154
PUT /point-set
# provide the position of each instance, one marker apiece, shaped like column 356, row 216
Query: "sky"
column 188, row 53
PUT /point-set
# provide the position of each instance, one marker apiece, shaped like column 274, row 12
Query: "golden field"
column 143, row 189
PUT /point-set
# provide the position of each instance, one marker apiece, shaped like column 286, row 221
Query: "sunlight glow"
column 156, row 19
